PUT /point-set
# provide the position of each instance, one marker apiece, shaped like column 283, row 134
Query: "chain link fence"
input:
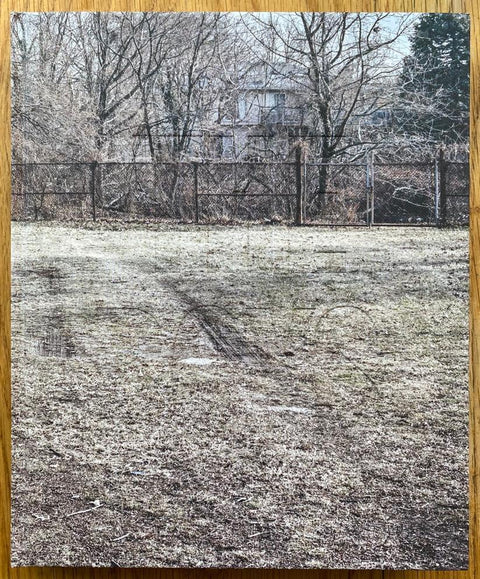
column 457, row 192
column 163, row 190
column 245, row 191
column 336, row 194
column 362, row 193
column 405, row 193
column 51, row 191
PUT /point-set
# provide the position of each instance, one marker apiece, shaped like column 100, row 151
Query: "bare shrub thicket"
column 164, row 89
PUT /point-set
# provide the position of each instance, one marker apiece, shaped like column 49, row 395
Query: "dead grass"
column 327, row 427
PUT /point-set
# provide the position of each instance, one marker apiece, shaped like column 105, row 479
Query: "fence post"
column 367, row 189
column 436, row 191
column 299, row 186
column 195, row 189
column 93, row 179
column 304, row 214
column 372, row 189
column 442, row 180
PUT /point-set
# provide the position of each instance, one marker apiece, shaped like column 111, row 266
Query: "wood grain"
column 470, row 6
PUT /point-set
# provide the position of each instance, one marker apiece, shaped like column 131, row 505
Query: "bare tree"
column 344, row 61
column 47, row 108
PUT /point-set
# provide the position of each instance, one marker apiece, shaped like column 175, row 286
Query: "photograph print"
column 240, row 290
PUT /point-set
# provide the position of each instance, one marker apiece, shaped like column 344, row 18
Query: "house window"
column 253, row 149
column 242, row 107
column 227, row 146
column 279, row 99
column 279, row 104
column 274, row 111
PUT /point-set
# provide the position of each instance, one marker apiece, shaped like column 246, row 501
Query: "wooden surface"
column 471, row 6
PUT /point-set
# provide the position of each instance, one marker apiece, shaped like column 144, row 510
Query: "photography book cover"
column 240, row 290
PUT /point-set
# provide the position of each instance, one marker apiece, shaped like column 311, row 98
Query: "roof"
column 272, row 76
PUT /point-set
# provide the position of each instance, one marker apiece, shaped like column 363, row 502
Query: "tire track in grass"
column 224, row 337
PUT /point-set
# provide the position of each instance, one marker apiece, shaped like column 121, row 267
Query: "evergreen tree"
column 435, row 79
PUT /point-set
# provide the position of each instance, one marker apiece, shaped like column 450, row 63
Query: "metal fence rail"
column 362, row 193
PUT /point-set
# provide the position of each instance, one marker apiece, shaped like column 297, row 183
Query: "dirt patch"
column 52, row 276
column 56, row 339
column 48, row 328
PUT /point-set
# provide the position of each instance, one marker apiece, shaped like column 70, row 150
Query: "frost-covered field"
column 232, row 396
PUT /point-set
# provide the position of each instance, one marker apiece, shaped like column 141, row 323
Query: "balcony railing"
column 281, row 116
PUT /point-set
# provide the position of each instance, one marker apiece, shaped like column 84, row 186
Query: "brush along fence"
column 334, row 193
